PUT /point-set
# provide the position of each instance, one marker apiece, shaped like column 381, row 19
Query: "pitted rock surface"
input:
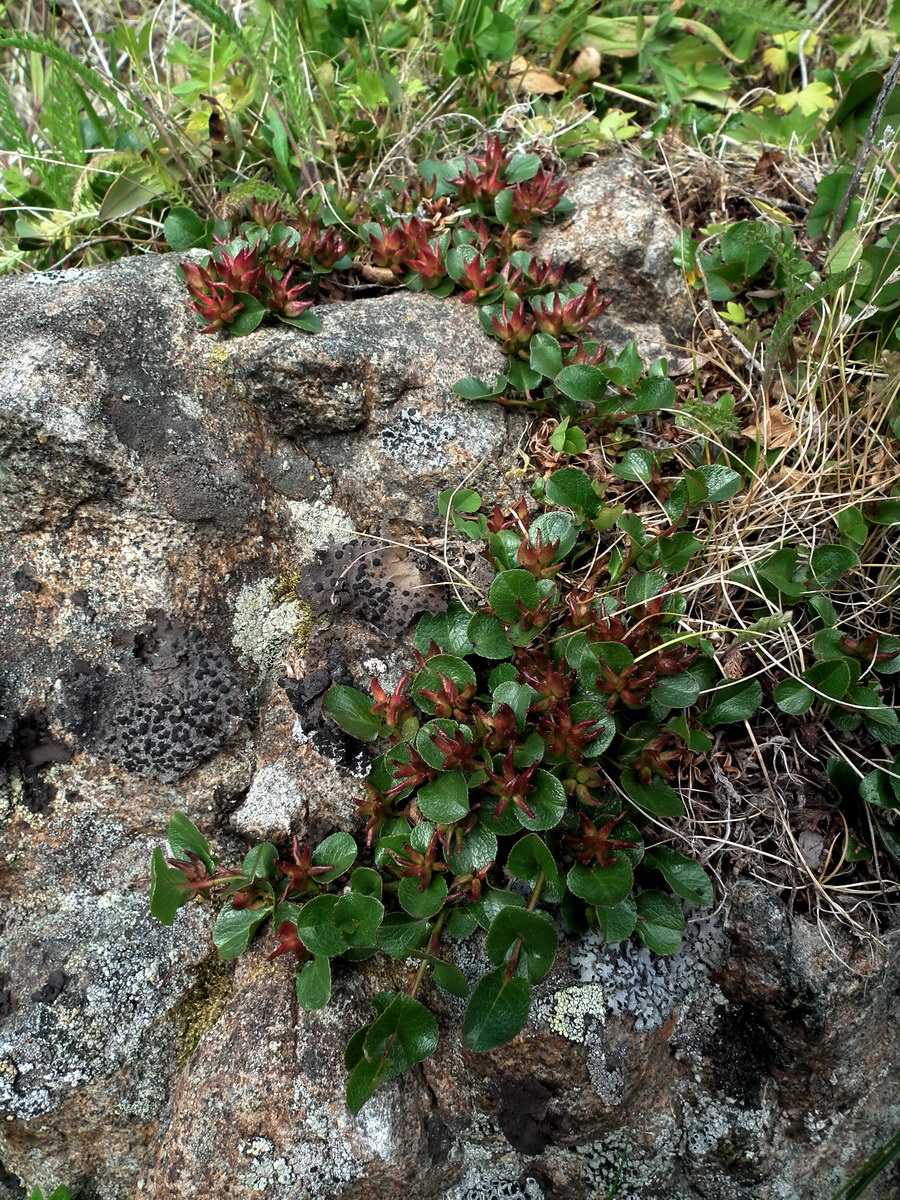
column 383, row 585
column 174, row 702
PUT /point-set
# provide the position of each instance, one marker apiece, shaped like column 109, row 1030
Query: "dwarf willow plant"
column 520, row 771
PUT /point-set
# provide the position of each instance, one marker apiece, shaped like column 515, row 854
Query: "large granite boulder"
column 169, row 504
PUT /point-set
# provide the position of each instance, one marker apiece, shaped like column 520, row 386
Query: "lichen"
column 267, row 626
column 200, row 1008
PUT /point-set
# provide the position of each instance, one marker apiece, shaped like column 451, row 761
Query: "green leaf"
column 655, row 797
column 183, row 229
column 538, row 936
column 313, row 984
column 351, row 709
column 530, row 855
column 636, row 465
column 450, row 978
column 357, row 917
column 406, row 1031
column 733, row 702
column 643, row 587
column 547, row 801
column 491, row 902
column 461, row 924
column 555, row 527
column 422, row 903
column 446, row 799
column 471, row 388
column 584, row 383
column 794, row 697
column 677, row 550
column 518, row 696
column 425, row 746
column 571, row 488
column 511, row 586
column 660, row 922
column 463, row 500
column 546, row 355
column 250, row 316
column 604, row 887
column 235, row 927
column 367, row 882
column 496, row 1012
column 828, row 563
column 259, row 863
column 364, row 1079
column 488, row 636
column 605, row 725
column 167, row 889
column 451, row 667
column 885, row 513
column 652, row 393
column 875, row 788
column 478, row 849
column 185, row 838
column 317, row 929
column 309, row 322
column 399, row 935
column 446, row 629
column 683, row 875
column 852, row 525
column 522, row 167
column 618, row 923
column 338, row 852
column 677, row 691
column 721, row 482
column 126, row 193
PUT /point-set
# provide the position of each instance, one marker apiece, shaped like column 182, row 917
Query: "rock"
column 156, row 508
column 168, row 504
column 621, row 235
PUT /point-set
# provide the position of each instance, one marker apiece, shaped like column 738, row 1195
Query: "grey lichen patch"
column 645, row 986
column 272, row 804
column 264, row 1170
column 199, row 1009
column 267, row 625
column 122, row 976
column 317, row 524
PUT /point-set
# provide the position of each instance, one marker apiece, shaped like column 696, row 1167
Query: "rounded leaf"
column 445, row 799
column 660, row 921
column 313, row 984
column 547, row 801
column 234, row 929
column 422, row 903
column 684, row 876
column 337, row 852
column 497, row 1010
column 733, row 702
column 604, row 887
column 538, row 941
column 351, row 709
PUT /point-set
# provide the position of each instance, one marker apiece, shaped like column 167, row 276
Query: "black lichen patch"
column 175, row 702
column 52, row 989
column 529, row 1116
column 385, row 586
column 748, row 1052
column 27, row 746
column 7, row 999
column 13, row 1184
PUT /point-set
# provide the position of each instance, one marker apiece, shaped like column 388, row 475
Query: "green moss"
column 202, row 1006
